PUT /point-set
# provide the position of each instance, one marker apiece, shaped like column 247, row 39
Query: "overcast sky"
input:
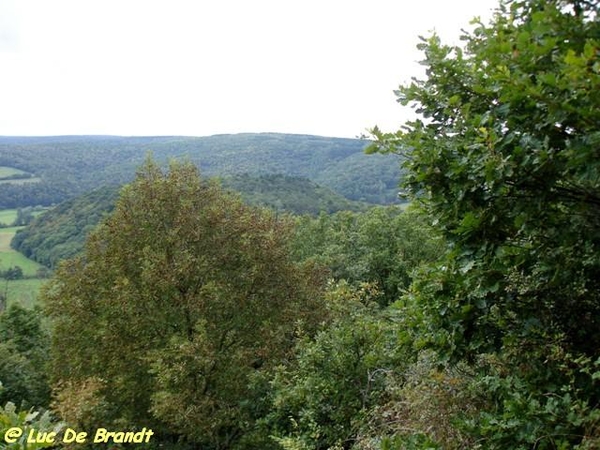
column 202, row 67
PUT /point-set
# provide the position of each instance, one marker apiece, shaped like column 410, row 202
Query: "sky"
column 204, row 67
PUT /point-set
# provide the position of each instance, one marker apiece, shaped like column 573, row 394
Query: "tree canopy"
column 210, row 321
column 505, row 160
column 181, row 294
column 63, row 167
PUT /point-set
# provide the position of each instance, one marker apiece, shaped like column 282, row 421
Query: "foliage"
column 372, row 180
column 507, row 164
column 82, row 403
column 289, row 194
column 181, row 295
column 506, row 161
column 383, row 245
column 545, row 405
column 27, row 421
column 488, row 405
column 12, row 273
column 68, row 166
column 422, row 408
column 321, row 401
column 61, row 232
column 24, row 346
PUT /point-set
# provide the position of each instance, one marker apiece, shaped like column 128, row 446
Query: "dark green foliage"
column 290, row 194
column 507, row 163
column 24, row 345
column 547, row 403
column 322, row 399
column 70, row 166
column 326, row 396
column 371, row 180
column 12, row 273
column 383, row 245
column 60, row 233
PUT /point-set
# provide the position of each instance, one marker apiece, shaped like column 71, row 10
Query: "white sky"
column 202, row 67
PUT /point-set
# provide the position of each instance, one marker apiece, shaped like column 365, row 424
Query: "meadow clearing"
column 24, row 291
column 11, row 175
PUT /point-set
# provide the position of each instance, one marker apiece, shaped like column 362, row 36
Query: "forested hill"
column 289, row 194
column 63, row 167
column 60, row 233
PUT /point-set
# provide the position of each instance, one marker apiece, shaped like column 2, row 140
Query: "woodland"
column 467, row 319
column 64, row 167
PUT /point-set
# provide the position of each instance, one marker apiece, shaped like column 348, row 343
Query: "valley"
column 77, row 179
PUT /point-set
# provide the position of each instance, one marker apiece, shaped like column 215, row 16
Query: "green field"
column 6, row 172
column 8, row 216
column 22, row 180
column 10, row 257
column 24, row 292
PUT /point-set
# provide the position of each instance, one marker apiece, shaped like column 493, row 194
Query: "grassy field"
column 24, row 292
column 7, row 216
column 6, row 172
column 10, row 257
column 22, row 180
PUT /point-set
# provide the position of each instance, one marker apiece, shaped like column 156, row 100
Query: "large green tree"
column 180, row 296
column 505, row 158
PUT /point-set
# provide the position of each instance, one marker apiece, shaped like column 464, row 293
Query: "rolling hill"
column 60, row 233
column 63, row 167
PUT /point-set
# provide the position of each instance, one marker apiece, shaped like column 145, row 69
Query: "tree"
column 12, row 273
column 180, row 296
column 505, row 160
column 383, row 245
column 322, row 399
column 24, row 344
column 24, row 217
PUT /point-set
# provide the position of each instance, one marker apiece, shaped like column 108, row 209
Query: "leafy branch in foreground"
column 504, row 158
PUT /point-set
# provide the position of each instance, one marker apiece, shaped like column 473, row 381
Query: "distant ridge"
column 70, row 165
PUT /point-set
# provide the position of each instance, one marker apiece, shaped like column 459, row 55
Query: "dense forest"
column 61, row 232
column 469, row 320
column 67, row 166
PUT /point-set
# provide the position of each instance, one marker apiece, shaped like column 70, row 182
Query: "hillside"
column 289, row 194
column 60, row 233
column 65, row 166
